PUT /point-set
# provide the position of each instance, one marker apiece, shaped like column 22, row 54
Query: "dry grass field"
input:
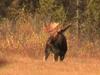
column 21, row 65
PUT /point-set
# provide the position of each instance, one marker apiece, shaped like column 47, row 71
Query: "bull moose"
column 56, row 43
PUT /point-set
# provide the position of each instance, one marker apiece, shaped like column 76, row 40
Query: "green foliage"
column 93, row 18
column 50, row 10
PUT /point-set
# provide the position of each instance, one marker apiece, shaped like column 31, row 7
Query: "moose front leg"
column 47, row 53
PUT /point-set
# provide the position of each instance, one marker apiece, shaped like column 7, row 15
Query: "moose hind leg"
column 61, row 57
column 56, row 57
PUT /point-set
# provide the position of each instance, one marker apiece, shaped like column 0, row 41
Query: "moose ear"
column 45, row 28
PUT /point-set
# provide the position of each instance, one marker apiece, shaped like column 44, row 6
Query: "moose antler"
column 65, row 28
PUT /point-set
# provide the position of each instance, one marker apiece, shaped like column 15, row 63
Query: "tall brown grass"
column 25, row 41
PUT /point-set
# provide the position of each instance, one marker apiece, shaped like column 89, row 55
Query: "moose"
column 56, row 43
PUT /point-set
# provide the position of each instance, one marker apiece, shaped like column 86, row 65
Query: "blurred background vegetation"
column 22, row 21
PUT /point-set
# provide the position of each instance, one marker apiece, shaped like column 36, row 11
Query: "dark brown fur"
column 57, row 45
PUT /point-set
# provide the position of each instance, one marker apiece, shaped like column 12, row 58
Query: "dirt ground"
column 18, row 65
